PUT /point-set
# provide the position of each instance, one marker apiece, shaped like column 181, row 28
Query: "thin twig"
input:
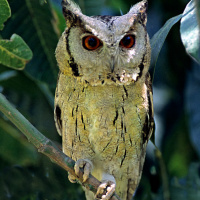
column 45, row 145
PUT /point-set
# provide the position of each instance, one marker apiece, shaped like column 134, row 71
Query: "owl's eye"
column 91, row 42
column 128, row 41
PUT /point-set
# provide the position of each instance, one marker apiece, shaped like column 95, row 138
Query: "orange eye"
column 91, row 42
column 128, row 41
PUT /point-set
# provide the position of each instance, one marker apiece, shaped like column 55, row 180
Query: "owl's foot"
column 87, row 168
column 108, row 187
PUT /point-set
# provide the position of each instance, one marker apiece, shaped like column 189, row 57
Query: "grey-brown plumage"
column 103, row 101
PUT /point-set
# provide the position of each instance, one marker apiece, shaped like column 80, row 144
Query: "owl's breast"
column 103, row 121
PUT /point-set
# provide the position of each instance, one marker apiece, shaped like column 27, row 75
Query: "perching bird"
column 103, row 100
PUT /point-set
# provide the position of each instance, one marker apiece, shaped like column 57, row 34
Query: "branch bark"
column 45, row 145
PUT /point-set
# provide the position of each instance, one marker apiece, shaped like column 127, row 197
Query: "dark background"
column 26, row 174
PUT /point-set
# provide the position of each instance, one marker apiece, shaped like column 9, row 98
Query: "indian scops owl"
column 103, row 100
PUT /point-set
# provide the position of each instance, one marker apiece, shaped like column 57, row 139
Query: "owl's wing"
column 58, row 120
column 148, row 129
column 149, row 125
column 57, row 112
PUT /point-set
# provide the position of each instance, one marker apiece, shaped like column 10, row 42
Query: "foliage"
column 5, row 13
column 15, row 53
column 158, row 39
column 25, row 174
column 191, row 39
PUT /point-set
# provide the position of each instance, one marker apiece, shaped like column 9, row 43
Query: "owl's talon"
column 72, row 178
column 107, row 186
column 87, row 168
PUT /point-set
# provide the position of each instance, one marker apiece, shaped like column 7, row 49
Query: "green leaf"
column 33, row 22
column 14, row 52
column 5, row 12
column 59, row 23
column 158, row 39
column 189, row 30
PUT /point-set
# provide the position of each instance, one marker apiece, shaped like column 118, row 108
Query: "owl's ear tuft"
column 71, row 12
column 140, row 11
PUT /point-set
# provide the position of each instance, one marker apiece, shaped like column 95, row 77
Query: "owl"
column 103, row 99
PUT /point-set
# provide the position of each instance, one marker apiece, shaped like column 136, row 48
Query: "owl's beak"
column 112, row 64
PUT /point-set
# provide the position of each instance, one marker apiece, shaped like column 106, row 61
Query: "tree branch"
column 45, row 145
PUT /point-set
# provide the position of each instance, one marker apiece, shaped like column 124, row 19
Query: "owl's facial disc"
column 105, row 55
column 93, row 43
column 108, row 49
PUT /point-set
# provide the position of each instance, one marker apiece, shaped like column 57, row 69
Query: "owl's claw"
column 87, row 168
column 72, row 178
column 108, row 187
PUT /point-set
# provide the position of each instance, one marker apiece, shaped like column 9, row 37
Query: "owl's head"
column 104, row 49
